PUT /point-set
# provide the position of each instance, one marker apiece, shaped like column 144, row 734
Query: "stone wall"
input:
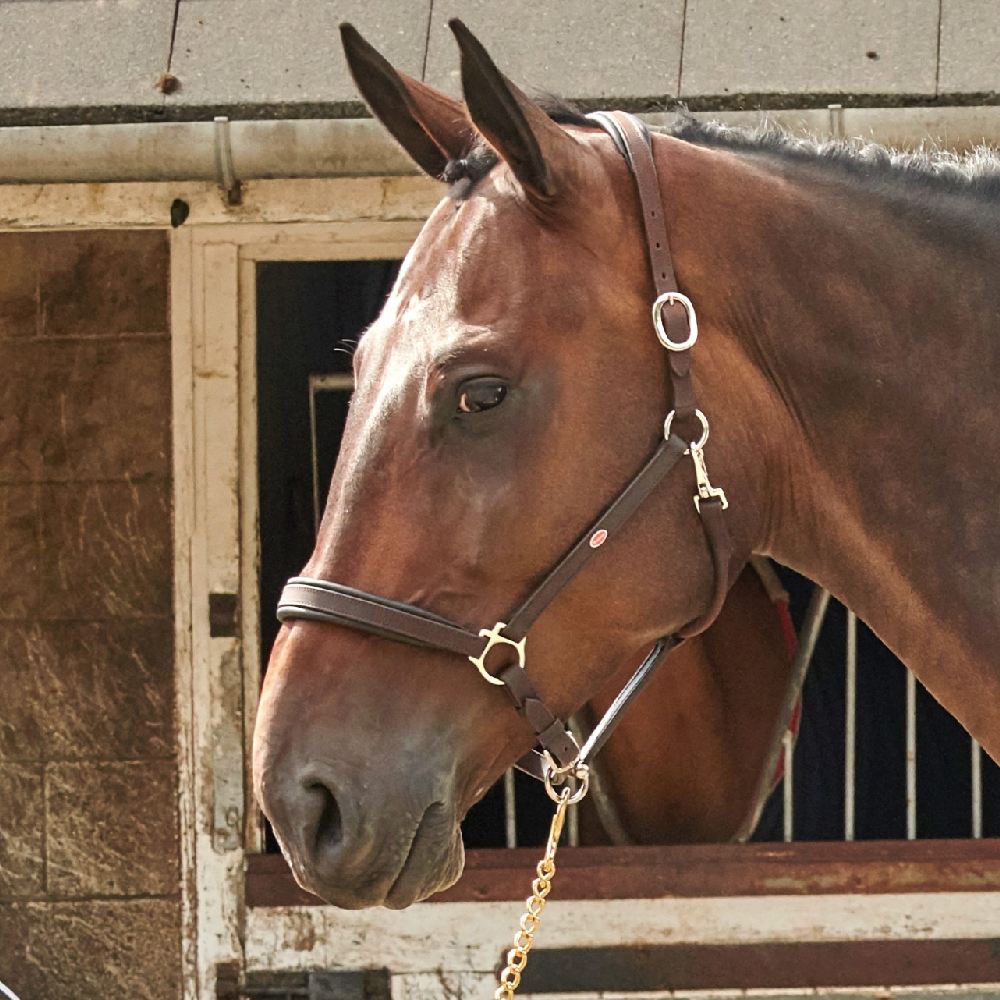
column 89, row 875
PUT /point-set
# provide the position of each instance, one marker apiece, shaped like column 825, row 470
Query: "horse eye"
column 481, row 394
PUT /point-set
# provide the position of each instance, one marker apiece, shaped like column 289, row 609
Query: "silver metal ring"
column 556, row 778
column 704, row 429
column 669, row 299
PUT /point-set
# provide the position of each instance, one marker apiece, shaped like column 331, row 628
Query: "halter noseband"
column 676, row 329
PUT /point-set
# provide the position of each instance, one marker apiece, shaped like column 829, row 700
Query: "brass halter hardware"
column 495, row 637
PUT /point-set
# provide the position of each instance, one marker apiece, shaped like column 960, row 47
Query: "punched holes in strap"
column 640, row 157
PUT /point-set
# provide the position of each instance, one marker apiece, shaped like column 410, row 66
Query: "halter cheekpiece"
column 558, row 757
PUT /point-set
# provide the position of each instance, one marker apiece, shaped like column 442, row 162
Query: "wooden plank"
column 796, row 965
column 469, row 937
column 209, row 674
column 182, row 364
column 697, row 871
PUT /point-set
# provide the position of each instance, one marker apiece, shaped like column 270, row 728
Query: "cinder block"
column 86, row 410
column 22, row 830
column 112, row 829
column 100, row 284
column 765, row 47
column 20, row 553
column 93, row 950
column 582, row 49
column 79, row 55
column 19, row 309
column 106, row 549
column 285, row 54
column 79, row 690
column 970, row 47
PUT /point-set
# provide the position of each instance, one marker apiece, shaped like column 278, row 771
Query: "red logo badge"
column 598, row 538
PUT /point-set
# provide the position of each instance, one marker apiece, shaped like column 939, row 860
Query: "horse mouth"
column 428, row 862
column 433, row 862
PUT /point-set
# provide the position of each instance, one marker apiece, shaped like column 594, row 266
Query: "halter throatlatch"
column 499, row 652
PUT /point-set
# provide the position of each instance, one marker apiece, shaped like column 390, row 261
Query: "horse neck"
column 870, row 321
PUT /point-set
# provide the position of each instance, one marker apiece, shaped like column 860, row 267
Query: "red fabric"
column 791, row 644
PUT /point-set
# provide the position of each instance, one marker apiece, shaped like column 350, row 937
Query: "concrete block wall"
column 89, row 879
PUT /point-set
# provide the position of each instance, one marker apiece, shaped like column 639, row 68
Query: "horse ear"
column 428, row 124
column 533, row 145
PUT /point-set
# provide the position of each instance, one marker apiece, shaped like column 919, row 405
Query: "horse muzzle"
column 356, row 840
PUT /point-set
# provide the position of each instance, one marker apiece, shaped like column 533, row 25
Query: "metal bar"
column 977, row 789
column 601, row 733
column 836, row 113
column 337, row 381
column 225, row 170
column 573, row 826
column 573, row 814
column 321, row 383
column 850, row 720
column 911, row 756
column 788, row 787
column 808, row 635
column 510, row 808
column 312, row 453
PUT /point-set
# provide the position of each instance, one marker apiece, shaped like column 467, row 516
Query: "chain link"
column 517, row 957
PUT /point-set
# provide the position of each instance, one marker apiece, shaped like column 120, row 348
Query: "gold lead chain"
column 517, row 957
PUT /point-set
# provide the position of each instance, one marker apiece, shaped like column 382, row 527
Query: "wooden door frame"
column 213, row 326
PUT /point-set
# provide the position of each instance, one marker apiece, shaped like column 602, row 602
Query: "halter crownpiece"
column 558, row 758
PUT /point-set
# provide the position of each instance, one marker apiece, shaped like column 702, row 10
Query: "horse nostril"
column 329, row 824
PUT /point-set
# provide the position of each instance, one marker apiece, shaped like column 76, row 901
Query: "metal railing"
column 807, row 649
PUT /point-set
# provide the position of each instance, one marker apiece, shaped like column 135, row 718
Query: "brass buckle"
column 495, row 637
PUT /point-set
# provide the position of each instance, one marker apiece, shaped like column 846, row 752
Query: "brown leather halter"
column 676, row 328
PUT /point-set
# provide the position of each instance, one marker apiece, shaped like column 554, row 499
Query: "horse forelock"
column 463, row 173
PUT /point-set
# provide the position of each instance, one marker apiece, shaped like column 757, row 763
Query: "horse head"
column 509, row 389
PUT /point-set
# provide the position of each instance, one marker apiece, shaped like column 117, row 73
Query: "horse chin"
column 427, row 871
column 433, row 861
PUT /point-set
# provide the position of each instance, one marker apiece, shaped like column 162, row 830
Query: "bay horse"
column 848, row 360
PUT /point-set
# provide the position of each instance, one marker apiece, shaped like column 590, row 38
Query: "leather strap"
column 666, row 456
column 335, row 604
column 720, row 546
column 638, row 153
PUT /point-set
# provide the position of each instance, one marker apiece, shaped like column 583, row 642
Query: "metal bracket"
column 837, row 129
column 225, row 172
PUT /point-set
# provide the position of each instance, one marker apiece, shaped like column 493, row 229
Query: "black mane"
column 976, row 173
